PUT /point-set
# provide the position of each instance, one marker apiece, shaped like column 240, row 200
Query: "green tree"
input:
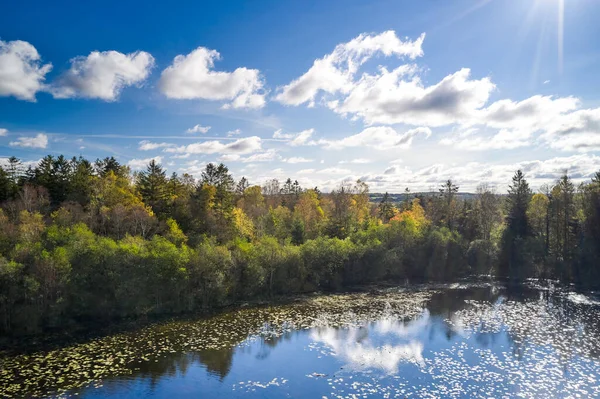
column 153, row 187
column 513, row 262
column 386, row 209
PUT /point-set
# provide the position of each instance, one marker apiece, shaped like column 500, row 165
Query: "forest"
column 84, row 242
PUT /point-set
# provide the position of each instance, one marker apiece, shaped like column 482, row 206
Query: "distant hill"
column 394, row 197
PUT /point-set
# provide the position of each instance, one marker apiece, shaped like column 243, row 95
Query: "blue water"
column 463, row 342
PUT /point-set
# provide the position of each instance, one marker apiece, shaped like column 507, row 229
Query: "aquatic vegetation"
column 454, row 340
column 58, row 371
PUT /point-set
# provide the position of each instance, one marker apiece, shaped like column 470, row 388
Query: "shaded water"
column 456, row 341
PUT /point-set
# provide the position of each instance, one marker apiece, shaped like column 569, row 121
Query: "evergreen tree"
column 448, row 192
column 242, row 186
column 152, row 185
column 386, row 208
column 298, row 234
column 589, row 272
column 513, row 257
column 5, row 185
column 110, row 164
column 14, row 171
column 81, row 184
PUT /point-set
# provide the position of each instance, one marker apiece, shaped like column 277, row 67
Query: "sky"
column 395, row 93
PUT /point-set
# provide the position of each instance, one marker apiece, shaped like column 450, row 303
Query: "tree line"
column 84, row 242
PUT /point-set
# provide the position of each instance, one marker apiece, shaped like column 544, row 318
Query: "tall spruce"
column 152, row 185
column 512, row 259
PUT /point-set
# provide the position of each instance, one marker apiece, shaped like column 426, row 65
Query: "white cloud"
column 392, row 170
column 3, row 132
column 532, row 113
column 229, row 158
column 377, row 137
column 280, row 135
column 302, row 137
column 266, row 156
column 26, row 164
column 181, row 156
column 198, row 129
column 235, row 132
column 297, row 160
column 103, row 75
column 138, row 164
column 146, row 145
column 295, row 139
column 39, row 141
column 357, row 161
column 575, row 131
column 191, row 77
column 467, row 176
column 241, row 146
column 21, row 72
column 388, row 99
column 503, row 140
column 334, row 171
column 334, row 72
column 193, row 168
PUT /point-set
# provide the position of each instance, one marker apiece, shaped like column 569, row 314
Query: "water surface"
column 455, row 341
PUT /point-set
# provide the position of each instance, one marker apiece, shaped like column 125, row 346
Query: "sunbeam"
column 561, row 32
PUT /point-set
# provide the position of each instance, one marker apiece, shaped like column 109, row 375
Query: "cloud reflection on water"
column 382, row 345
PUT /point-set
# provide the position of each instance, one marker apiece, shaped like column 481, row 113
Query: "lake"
column 450, row 341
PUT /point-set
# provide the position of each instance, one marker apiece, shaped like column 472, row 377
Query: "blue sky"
column 397, row 93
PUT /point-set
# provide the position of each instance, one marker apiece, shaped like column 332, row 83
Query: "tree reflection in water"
column 465, row 341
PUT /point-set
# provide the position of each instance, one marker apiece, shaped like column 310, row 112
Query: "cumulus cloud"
column 503, row 140
column 531, row 113
column 575, row 131
column 387, row 98
column 297, row 160
column 242, row 146
column 334, row 171
column 335, row 71
column 138, row 164
column 392, row 170
column 235, row 132
column 38, row 141
column 265, row 156
column 229, row 157
column 22, row 73
column 3, row 132
column 192, row 76
column 198, row 129
column 357, row 161
column 193, row 168
column 146, row 145
column 103, row 75
column 558, row 121
column 295, row 139
column 398, row 95
column 580, row 167
column 377, row 137
column 280, row 135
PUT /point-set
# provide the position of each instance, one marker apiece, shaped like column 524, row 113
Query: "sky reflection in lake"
column 464, row 342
